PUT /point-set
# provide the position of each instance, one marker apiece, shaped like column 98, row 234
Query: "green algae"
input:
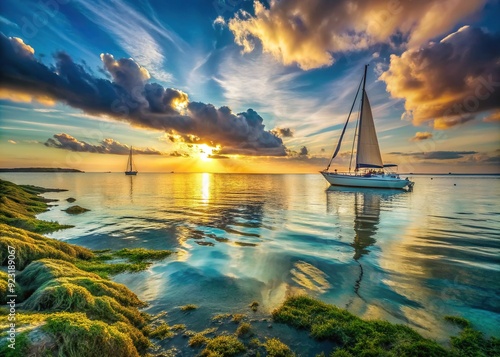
column 4, row 285
column 161, row 332
column 357, row 337
column 189, row 307
column 100, row 339
column 31, row 246
column 68, row 306
column 140, row 255
column 244, row 328
column 275, row 348
column 457, row 320
column 75, row 210
column 106, row 262
column 471, row 343
column 238, row 317
column 224, row 345
column 20, row 204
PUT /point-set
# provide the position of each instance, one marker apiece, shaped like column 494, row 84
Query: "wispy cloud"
column 134, row 33
column 436, row 155
column 6, row 21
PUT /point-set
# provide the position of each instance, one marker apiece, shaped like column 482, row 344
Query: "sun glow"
column 180, row 104
column 205, row 152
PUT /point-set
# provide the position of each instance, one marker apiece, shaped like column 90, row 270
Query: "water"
column 409, row 258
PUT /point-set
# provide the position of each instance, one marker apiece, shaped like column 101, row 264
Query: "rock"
column 75, row 210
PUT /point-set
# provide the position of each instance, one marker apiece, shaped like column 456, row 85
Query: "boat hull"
column 377, row 181
column 130, row 173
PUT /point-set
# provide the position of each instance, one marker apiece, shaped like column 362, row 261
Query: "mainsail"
column 368, row 153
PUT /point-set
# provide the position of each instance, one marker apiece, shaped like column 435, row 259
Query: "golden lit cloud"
column 23, row 97
column 308, row 33
column 448, row 83
column 24, row 46
column 419, row 136
column 493, row 117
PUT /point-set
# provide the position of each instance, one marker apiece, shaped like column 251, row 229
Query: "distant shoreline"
column 39, row 169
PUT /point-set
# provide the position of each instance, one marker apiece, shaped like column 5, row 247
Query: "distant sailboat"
column 370, row 170
column 130, row 167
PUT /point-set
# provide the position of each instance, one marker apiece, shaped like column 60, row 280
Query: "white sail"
column 368, row 154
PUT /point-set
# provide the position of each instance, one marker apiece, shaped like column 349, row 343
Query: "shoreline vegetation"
column 38, row 169
column 68, row 306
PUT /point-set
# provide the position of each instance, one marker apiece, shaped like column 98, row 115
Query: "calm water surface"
column 409, row 258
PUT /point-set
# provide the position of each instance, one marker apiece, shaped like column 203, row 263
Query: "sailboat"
column 370, row 170
column 130, row 170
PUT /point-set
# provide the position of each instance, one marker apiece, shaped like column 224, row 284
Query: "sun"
column 205, row 151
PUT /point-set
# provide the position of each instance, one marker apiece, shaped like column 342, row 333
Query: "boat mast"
column 361, row 116
column 130, row 159
column 343, row 130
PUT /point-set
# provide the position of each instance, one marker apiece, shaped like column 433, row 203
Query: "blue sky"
column 293, row 75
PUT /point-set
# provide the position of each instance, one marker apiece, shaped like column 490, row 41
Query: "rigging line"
column 345, row 126
column 354, row 139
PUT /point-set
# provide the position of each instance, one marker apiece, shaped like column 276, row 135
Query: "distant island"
column 38, row 169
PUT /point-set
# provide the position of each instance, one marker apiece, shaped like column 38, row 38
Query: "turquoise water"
column 408, row 257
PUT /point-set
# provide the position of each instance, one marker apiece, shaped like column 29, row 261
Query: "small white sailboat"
column 370, row 170
column 130, row 168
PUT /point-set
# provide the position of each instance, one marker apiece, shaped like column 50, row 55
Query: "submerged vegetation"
column 20, row 204
column 75, row 210
column 69, row 307
column 357, row 337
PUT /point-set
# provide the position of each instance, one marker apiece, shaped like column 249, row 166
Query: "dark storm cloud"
column 437, row 155
column 106, row 146
column 449, row 82
column 128, row 97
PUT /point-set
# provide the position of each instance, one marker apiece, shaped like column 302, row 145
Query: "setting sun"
column 205, row 151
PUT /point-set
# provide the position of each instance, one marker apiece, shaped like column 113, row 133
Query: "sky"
column 248, row 86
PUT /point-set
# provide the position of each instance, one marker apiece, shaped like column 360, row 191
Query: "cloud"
column 493, row 117
column 419, row 136
column 283, row 132
column 128, row 97
column 11, row 142
column 217, row 156
column 303, row 151
column 106, row 146
column 437, row 155
column 447, row 83
column 178, row 154
column 219, row 21
column 308, row 33
column 135, row 33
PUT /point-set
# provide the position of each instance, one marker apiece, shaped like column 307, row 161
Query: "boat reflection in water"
column 366, row 208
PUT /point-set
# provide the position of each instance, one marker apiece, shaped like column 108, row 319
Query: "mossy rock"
column 31, row 246
column 75, row 210
column 20, row 204
column 224, row 345
column 77, row 336
column 70, row 199
column 352, row 334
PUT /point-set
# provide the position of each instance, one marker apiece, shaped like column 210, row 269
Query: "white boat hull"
column 375, row 181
